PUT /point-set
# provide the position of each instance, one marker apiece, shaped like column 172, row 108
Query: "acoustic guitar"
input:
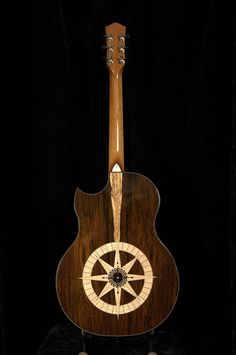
column 117, row 278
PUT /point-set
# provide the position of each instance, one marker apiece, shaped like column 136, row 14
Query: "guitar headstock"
column 115, row 46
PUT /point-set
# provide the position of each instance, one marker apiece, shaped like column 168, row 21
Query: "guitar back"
column 117, row 278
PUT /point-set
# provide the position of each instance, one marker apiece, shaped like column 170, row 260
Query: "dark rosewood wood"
column 140, row 203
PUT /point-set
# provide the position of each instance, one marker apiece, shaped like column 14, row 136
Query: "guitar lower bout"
column 118, row 278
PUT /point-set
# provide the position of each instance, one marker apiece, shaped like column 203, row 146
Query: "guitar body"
column 117, row 278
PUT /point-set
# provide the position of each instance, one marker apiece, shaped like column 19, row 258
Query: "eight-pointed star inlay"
column 117, row 278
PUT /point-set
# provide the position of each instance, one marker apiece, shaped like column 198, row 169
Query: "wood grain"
column 140, row 202
column 116, row 53
column 116, row 134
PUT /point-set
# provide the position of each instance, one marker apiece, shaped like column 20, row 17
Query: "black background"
column 178, row 132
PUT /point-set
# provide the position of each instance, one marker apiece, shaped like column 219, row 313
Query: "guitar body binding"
column 117, row 278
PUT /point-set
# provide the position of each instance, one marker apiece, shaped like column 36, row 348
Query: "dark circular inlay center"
column 117, row 277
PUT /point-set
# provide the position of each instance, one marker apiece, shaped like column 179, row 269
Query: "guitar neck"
column 116, row 134
column 115, row 34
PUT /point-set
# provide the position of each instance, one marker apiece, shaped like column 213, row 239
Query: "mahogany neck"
column 116, row 134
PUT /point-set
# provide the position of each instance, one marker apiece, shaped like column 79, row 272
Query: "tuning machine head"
column 122, row 37
column 115, row 47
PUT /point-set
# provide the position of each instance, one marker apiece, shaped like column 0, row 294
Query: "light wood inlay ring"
column 126, row 286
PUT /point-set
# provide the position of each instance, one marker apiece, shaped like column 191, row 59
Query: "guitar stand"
column 69, row 340
column 150, row 343
column 150, row 336
column 83, row 336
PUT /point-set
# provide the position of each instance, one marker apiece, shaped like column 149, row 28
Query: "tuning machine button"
column 122, row 37
column 109, row 48
column 109, row 37
column 121, row 60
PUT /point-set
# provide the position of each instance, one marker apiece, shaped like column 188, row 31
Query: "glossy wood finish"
column 120, row 216
column 115, row 53
column 116, row 135
column 140, row 202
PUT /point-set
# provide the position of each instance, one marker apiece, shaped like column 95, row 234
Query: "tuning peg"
column 109, row 48
column 106, row 47
column 122, row 60
column 122, row 37
column 108, row 60
column 108, row 36
column 121, row 49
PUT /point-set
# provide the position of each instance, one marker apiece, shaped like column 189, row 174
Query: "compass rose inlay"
column 117, row 278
